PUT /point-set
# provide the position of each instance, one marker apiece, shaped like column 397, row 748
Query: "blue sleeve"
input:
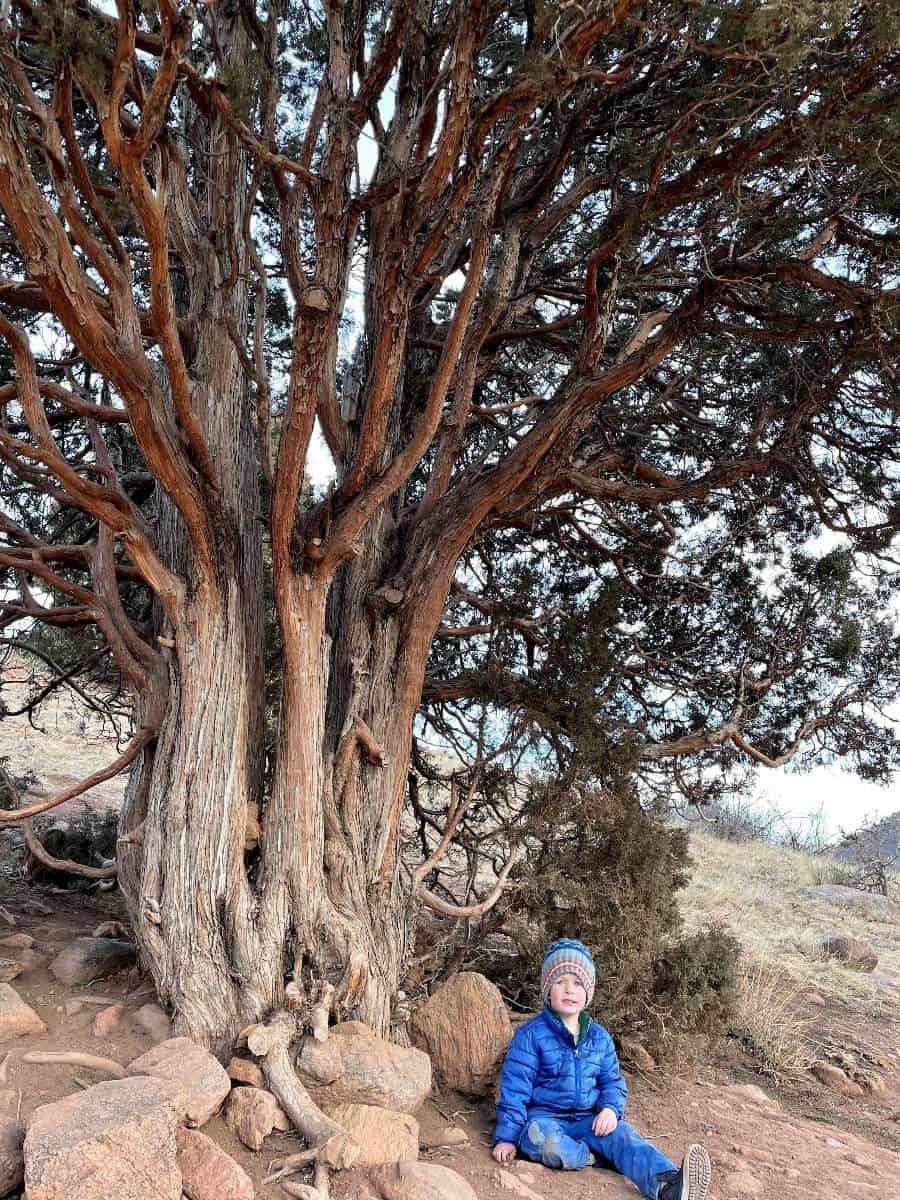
column 613, row 1088
column 516, row 1085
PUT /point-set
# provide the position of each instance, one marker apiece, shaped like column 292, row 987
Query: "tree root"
column 301, row 1190
column 271, row 1044
column 73, row 1059
column 4, row 1066
column 280, row 1167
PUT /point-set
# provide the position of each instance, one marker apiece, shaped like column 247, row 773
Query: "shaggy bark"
column 185, row 218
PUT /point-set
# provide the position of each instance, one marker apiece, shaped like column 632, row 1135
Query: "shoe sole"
column 696, row 1173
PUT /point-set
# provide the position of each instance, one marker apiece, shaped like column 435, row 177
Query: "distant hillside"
column 880, row 841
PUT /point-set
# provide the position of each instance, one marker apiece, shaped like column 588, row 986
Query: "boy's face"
column 567, row 996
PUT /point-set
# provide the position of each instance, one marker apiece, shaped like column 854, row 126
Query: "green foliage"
column 598, row 868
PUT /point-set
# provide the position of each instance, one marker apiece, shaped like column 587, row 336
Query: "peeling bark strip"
column 589, row 314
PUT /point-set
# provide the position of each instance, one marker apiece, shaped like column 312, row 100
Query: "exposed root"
column 281, row 1167
column 318, row 1020
column 271, row 1044
column 322, row 1180
column 4, row 1065
column 36, row 847
column 301, row 1190
column 72, row 1058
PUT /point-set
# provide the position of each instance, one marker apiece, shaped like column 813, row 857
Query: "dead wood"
column 333, row 1144
column 73, row 1058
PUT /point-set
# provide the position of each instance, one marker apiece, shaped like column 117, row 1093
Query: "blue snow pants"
column 556, row 1142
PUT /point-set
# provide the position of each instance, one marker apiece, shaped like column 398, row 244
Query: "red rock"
column 383, row 1136
column 420, row 1181
column 201, row 1077
column 242, row 1070
column 353, row 1066
column 207, row 1172
column 251, row 1113
column 12, row 1155
column 834, row 1078
column 16, row 1018
column 115, row 1141
column 107, row 1019
column 465, row 1028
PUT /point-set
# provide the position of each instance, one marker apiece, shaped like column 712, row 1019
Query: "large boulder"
column 850, row 950
column 354, row 1066
column 12, row 1154
column 88, row 958
column 465, row 1029
column 115, row 1141
column 383, row 1136
column 207, row 1172
column 16, row 1018
column 420, row 1181
column 871, row 904
column 202, row 1078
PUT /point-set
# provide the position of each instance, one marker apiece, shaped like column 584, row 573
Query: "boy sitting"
column 562, row 1094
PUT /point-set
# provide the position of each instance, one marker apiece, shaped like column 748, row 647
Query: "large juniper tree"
column 595, row 306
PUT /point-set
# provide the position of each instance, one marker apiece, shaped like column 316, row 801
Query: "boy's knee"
column 540, row 1129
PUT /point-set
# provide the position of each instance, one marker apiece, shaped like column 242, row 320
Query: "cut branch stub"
column 271, row 1044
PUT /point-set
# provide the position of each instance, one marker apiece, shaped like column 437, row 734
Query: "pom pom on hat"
column 567, row 957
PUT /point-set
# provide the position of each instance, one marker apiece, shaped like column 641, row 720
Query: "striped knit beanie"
column 565, row 957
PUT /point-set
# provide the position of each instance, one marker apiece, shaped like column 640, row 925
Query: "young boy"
column 562, row 1094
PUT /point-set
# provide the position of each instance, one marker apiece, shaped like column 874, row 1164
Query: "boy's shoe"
column 691, row 1181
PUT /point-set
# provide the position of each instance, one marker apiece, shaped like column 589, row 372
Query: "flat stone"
column 420, row 1181
column 16, row 1018
column 114, row 1141
column 383, row 1136
column 207, row 1172
column 201, row 1077
column 91, row 958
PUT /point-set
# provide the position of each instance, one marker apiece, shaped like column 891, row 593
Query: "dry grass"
column 767, row 1024
column 759, row 891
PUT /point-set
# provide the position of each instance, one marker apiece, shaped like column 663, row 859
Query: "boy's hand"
column 504, row 1152
column 605, row 1122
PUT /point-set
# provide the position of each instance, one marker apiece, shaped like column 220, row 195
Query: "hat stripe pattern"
column 567, row 957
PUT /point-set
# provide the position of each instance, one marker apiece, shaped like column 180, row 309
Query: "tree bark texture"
column 185, row 203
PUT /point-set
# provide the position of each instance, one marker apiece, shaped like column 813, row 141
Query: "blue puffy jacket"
column 546, row 1074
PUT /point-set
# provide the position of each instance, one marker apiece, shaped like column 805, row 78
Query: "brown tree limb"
column 141, row 739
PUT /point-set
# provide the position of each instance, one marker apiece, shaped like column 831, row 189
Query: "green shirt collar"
column 584, row 1023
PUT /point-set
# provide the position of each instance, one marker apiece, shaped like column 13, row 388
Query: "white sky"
column 845, row 801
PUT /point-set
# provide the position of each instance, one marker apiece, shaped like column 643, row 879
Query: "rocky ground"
column 807, row 1143
column 803, row 1138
